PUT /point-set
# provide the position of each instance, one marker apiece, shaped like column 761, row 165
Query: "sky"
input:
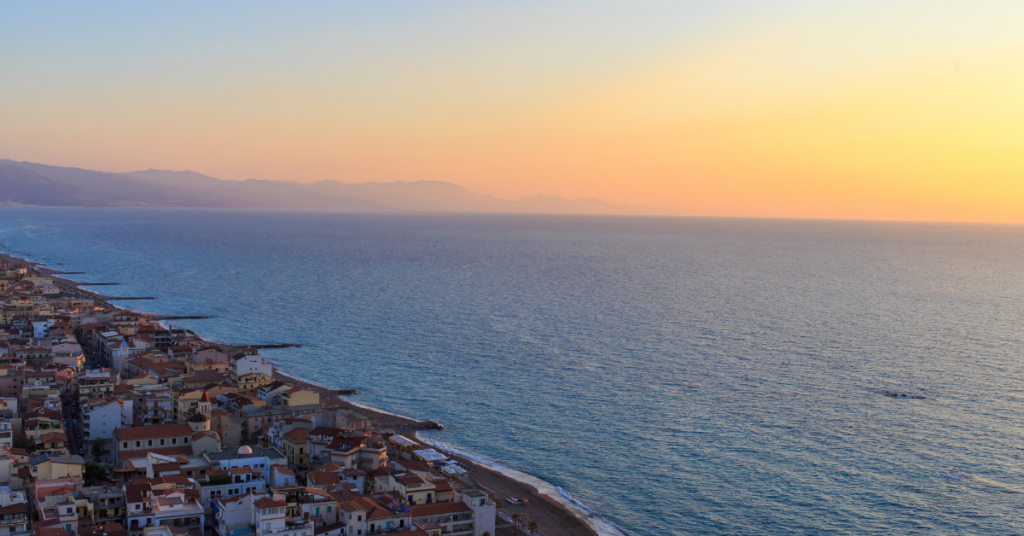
column 894, row 110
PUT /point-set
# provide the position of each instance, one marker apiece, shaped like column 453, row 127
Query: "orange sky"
column 862, row 110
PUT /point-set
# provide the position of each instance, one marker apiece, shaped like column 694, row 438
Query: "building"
column 484, row 509
column 56, row 466
column 171, row 505
column 455, row 518
column 11, row 379
column 14, row 518
column 414, row 489
column 220, row 483
column 52, row 443
column 242, row 365
column 129, row 440
column 107, row 502
column 101, row 416
column 271, row 520
column 96, row 384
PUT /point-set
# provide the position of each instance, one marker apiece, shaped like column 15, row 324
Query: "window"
column 138, row 444
column 124, row 445
column 174, row 441
column 161, row 441
column 328, row 509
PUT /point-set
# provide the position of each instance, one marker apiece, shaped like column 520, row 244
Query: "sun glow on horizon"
column 866, row 110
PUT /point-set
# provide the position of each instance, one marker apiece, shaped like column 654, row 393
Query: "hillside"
column 38, row 184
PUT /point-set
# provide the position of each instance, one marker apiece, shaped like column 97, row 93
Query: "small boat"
column 513, row 500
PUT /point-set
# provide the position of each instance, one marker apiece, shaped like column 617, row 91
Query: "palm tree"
column 515, row 522
column 486, row 533
column 533, row 527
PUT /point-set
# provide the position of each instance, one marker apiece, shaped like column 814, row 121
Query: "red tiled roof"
column 55, row 437
column 298, row 434
column 324, row 478
column 153, row 432
column 269, row 503
column 17, row 508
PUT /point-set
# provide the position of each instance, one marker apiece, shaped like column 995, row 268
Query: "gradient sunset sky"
column 903, row 110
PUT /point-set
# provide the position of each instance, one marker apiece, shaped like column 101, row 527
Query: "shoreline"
column 553, row 512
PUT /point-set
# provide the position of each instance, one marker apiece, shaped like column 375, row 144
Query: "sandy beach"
column 552, row 518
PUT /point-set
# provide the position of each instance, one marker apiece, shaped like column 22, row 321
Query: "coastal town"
column 113, row 423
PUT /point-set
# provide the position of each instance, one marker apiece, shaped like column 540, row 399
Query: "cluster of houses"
column 113, row 424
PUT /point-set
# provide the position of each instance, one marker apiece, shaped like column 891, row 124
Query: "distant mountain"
column 82, row 187
column 20, row 186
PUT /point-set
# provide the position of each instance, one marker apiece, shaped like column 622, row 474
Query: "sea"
column 674, row 375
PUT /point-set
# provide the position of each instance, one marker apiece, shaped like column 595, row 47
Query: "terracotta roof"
column 136, row 493
column 55, row 437
column 322, row 479
column 166, row 451
column 17, row 508
column 153, row 432
column 298, row 434
column 442, row 485
column 337, row 526
column 269, row 503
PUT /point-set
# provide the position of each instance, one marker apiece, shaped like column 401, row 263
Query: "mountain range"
column 27, row 183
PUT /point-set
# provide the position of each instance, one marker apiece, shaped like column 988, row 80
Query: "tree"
column 25, row 442
column 218, row 480
column 515, row 522
column 94, row 473
column 533, row 527
column 486, row 533
column 97, row 448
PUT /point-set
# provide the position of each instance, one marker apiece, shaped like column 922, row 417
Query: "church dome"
column 198, row 417
column 245, row 449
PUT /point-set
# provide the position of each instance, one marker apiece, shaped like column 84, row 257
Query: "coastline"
column 555, row 514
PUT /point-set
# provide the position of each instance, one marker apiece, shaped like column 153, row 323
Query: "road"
column 503, row 526
column 73, row 429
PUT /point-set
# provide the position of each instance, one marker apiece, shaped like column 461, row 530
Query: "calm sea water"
column 680, row 376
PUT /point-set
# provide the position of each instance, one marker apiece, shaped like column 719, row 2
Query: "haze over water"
column 680, row 376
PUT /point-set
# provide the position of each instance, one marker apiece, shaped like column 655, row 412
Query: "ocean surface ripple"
column 677, row 376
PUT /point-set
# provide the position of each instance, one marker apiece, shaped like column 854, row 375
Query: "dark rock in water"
column 903, row 395
column 433, row 425
column 346, row 392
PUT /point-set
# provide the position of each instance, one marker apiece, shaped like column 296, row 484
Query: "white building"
column 484, row 509
column 101, row 416
column 242, row 365
column 270, row 520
